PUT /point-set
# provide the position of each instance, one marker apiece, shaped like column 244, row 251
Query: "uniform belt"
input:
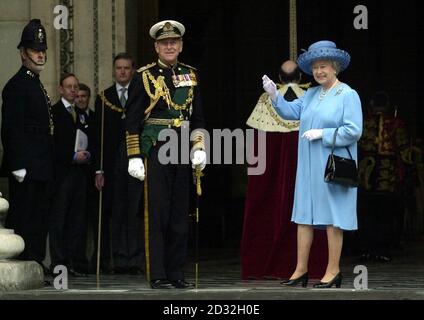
column 36, row 129
column 165, row 122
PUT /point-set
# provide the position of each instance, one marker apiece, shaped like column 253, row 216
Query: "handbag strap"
column 334, row 144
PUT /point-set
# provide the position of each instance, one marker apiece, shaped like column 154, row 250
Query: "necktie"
column 122, row 98
column 71, row 110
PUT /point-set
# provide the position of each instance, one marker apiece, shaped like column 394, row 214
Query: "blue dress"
column 316, row 202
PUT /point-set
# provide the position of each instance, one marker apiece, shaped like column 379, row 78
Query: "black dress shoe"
column 160, row 284
column 182, row 284
column 293, row 282
column 337, row 281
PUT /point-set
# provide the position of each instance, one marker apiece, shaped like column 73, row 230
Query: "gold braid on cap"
column 198, row 140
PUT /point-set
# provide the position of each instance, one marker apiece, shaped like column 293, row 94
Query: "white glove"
column 136, row 168
column 19, row 174
column 313, row 134
column 199, row 159
column 270, row 87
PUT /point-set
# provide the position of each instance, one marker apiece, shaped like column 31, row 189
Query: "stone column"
column 15, row 275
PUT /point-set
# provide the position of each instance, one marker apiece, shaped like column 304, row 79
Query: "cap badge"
column 40, row 36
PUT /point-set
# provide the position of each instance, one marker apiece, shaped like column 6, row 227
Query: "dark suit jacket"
column 114, row 128
column 25, row 130
column 64, row 137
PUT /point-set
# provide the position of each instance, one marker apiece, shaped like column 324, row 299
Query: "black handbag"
column 341, row 170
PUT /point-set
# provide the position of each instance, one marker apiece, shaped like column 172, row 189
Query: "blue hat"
column 34, row 36
column 322, row 50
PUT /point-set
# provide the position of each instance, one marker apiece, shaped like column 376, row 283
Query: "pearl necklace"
column 324, row 92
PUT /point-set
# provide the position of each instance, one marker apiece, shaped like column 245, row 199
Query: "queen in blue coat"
column 323, row 109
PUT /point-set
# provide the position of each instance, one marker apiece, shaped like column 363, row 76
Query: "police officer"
column 167, row 97
column 27, row 135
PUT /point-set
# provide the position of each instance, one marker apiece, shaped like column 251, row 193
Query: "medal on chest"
column 184, row 80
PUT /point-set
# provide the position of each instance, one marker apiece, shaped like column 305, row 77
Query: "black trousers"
column 168, row 205
column 28, row 215
column 126, row 224
column 68, row 222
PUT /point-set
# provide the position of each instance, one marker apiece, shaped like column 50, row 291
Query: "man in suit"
column 167, row 98
column 122, row 193
column 67, row 216
column 27, row 135
column 82, row 101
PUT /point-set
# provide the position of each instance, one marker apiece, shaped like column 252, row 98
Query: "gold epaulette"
column 146, row 67
column 109, row 104
column 186, row 65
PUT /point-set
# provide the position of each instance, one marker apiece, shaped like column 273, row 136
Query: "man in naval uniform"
column 167, row 97
column 27, row 135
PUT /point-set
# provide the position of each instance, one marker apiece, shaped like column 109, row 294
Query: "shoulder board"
column 186, row 65
column 146, row 67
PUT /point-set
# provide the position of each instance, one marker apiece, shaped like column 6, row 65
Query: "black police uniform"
column 168, row 185
column 27, row 135
column 122, row 193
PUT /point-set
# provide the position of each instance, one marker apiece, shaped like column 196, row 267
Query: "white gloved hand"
column 270, row 87
column 136, row 168
column 19, row 174
column 313, row 134
column 199, row 159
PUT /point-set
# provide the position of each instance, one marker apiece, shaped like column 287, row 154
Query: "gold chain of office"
column 161, row 90
column 109, row 104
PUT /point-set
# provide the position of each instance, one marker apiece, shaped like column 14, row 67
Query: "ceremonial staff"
column 99, row 227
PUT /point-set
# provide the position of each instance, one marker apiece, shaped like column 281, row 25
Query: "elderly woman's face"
column 324, row 73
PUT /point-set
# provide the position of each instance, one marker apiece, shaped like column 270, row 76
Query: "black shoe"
column 293, row 282
column 337, row 280
column 182, row 284
column 136, row 271
column 160, row 284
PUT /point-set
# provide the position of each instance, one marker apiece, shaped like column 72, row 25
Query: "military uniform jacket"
column 149, row 101
column 114, row 127
column 27, row 126
column 64, row 137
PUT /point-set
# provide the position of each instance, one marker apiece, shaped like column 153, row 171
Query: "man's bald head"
column 288, row 66
column 289, row 72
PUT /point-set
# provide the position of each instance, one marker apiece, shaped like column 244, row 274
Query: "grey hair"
column 336, row 66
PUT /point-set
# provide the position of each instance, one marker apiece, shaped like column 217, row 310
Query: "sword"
column 197, row 176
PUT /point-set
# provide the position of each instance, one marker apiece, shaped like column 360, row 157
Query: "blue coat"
column 316, row 202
